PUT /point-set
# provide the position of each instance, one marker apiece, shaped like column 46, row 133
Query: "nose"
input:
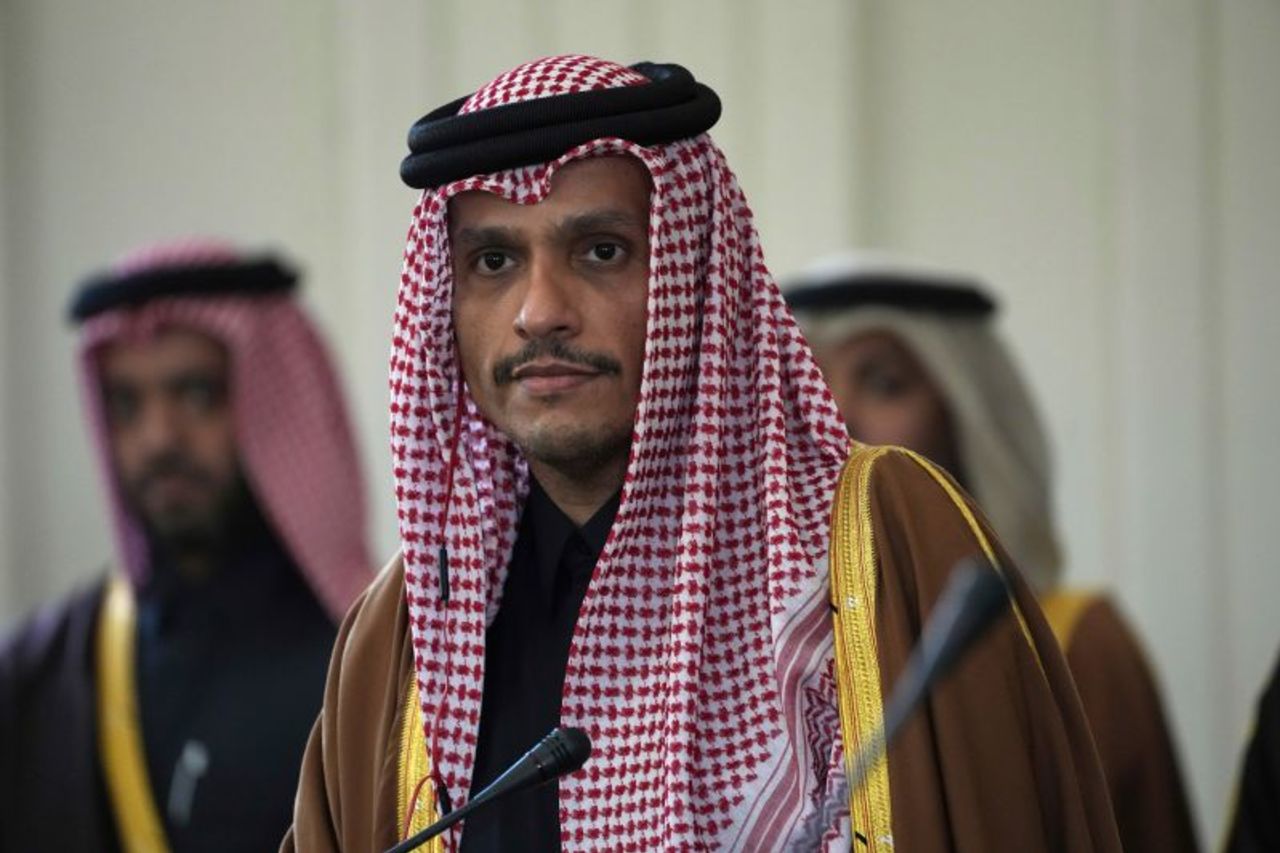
column 549, row 308
column 158, row 426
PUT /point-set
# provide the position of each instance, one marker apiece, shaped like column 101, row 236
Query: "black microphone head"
column 563, row 751
column 980, row 585
column 974, row 597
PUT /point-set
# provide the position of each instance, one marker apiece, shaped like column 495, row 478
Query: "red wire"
column 413, row 804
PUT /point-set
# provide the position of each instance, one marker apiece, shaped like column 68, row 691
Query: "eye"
column 883, row 381
column 606, row 251
column 121, row 404
column 493, row 261
column 202, row 394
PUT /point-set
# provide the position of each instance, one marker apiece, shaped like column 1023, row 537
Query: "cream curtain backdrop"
column 1108, row 166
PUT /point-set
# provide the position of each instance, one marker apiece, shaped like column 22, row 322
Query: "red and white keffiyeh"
column 292, row 432
column 701, row 661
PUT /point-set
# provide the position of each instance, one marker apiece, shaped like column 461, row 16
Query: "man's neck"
column 195, row 567
column 579, row 496
column 198, row 561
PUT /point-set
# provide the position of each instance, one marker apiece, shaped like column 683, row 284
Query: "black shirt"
column 230, row 678
column 526, row 651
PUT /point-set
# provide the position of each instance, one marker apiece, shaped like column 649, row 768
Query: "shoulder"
column 1117, row 685
column 351, row 759
column 369, row 654
column 372, row 631
column 1097, row 640
column 385, row 593
column 53, row 634
column 899, row 501
column 900, row 481
column 1067, row 609
column 1098, row 626
column 900, row 526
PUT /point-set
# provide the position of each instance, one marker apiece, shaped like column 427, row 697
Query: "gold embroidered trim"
column 124, row 765
column 415, row 789
column 853, row 590
column 1063, row 609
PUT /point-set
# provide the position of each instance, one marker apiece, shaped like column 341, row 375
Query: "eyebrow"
column 196, row 374
column 580, row 224
column 574, row 225
column 485, row 235
column 169, row 382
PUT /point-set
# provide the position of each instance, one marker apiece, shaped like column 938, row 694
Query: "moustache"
column 169, row 465
column 505, row 368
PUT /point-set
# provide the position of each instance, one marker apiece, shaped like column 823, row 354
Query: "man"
column 912, row 360
column 615, row 464
column 167, row 705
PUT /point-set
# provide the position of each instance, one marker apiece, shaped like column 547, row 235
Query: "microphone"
column 974, row 598
column 562, row 751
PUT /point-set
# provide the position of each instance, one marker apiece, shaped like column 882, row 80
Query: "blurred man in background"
column 912, row 360
column 166, row 706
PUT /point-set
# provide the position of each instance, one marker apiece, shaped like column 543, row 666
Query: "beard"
column 195, row 526
column 576, row 453
column 576, row 450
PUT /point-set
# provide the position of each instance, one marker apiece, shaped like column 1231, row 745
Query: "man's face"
column 886, row 397
column 549, row 308
column 172, row 437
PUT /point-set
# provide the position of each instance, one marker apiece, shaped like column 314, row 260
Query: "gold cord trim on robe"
column 124, row 763
column 1064, row 609
column 415, row 790
column 853, row 590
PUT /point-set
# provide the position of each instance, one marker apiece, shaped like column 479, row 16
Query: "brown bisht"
column 1122, row 704
column 1000, row 757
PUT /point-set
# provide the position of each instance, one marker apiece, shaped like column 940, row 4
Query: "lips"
column 552, row 377
column 172, row 487
column 170, row 483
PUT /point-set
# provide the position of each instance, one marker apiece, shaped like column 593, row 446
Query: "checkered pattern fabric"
column 554, row 75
